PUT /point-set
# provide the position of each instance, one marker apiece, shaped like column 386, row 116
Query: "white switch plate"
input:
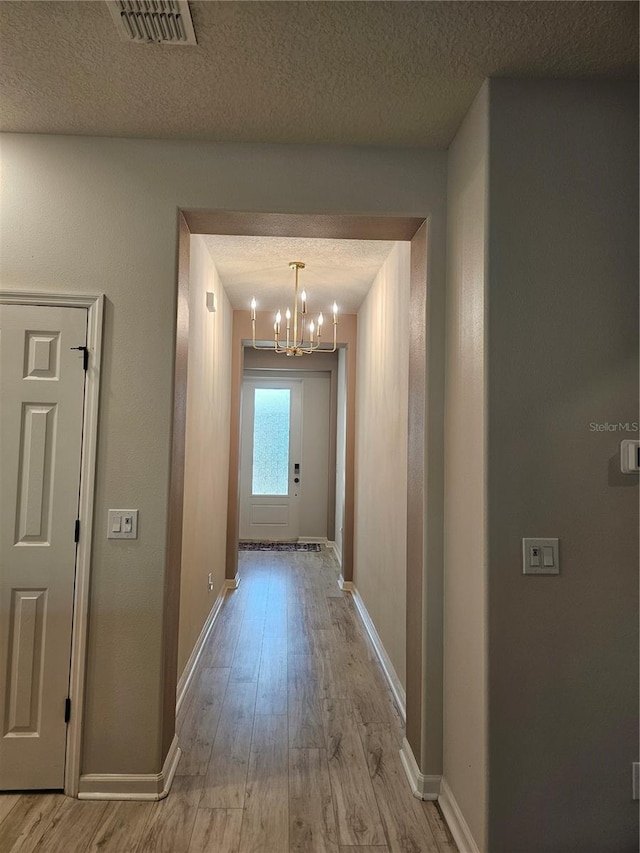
column 540, row 557
column 212, row 302
column 122, row 524
column 630, row 456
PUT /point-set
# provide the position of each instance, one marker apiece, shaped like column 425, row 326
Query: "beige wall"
column 465, row 522
column 100, row 215
column 562, row 354
column 206, row 450
column 380, row 531
column 341, row 447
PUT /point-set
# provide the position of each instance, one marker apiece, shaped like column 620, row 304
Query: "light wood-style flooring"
column 290, row 741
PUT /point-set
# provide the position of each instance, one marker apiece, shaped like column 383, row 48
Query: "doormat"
column 278, row 546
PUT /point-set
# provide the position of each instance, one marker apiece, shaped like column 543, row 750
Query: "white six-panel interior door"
column 42, row 382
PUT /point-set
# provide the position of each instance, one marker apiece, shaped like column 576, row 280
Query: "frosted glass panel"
column 271, row 441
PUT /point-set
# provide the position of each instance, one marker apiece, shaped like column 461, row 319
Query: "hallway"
column 290, row 741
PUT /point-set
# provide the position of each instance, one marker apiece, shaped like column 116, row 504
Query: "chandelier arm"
column 295, row 346
column 318, row 346
column 270, row 347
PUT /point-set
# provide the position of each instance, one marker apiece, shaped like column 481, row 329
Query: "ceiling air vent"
column 153, row 21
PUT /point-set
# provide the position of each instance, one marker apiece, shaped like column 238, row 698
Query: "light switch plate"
column 122, row 524
column 630, row 456
column 540, row 557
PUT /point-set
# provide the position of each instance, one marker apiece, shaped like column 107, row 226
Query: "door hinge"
column 85, row 356
column 67, row 709
column 76, row 533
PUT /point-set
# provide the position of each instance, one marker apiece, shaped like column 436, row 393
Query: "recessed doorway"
column 425, row 389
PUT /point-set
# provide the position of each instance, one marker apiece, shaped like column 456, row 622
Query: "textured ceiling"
column 340, row 270
column 376, row 73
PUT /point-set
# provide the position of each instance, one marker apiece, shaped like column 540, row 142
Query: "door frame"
column 95, row 314
column 425, row 487
column 296, row 400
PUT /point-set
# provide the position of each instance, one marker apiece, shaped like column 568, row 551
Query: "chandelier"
column 303, row 337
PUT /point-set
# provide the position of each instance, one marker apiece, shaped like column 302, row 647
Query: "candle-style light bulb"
column 253, row 308
column 335, row 310
column 303, row 297
column 278, row 317
column 311, row 330
column 287, row 315
column 320, row 320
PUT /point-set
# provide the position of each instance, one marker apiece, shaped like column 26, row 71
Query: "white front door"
column 42, row 391
column 270, row 475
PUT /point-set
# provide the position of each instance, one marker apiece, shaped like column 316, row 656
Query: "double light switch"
column 540, row 557
column 123, row 524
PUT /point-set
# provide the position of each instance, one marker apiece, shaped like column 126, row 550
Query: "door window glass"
column 271, row 441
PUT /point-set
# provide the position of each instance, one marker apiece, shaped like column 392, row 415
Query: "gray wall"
column 465, row 513
column 562, row 353
column 81, row 214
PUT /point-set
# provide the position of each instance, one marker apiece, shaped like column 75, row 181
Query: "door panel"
column 35, row 482
column 28, row 615
column 272, row 514
column 270, row 449
column 42, row 392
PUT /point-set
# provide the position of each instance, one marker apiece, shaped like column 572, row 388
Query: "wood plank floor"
column 290, row 741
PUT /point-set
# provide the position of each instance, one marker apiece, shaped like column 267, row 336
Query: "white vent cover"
column 148, row 21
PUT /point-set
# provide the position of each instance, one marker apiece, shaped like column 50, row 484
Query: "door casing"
column 95, row 313
column 425, row 462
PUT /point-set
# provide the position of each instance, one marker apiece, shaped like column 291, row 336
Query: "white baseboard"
column 190, row 667
column 132, row 786
column 336, row 552
column 310, row 540
column 232, row 583
column 399, row 693
column 346, row 586
column 455, row 820
column 423, row 787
